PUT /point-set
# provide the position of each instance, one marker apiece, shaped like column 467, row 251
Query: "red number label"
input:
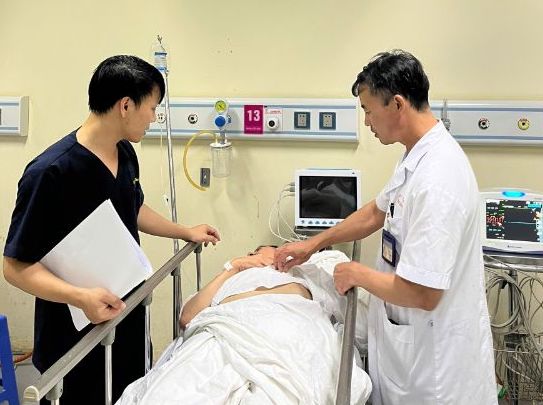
column 253, row 122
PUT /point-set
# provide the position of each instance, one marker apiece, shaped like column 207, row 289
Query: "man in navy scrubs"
column 59, row 189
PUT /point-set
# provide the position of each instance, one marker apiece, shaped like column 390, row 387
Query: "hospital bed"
column 50, row 383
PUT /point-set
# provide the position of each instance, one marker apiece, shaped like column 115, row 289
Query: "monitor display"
column 513, row 224
column 514, row 220
column 324, row 197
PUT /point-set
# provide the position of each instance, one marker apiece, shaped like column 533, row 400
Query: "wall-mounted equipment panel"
column 14, row 116
column 493, row 122
column 264, row 119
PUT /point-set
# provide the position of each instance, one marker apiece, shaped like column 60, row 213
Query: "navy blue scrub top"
column 59, row 189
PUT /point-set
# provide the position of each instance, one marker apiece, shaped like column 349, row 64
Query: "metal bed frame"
column 49, row 385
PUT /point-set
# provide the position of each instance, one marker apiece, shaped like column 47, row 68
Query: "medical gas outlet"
column 494, row 122
column 192, row 118
column 484, row 123
column 523, row 124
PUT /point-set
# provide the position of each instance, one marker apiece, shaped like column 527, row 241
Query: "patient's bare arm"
column 203, row 299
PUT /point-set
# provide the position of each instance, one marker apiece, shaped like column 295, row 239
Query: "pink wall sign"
column 253, row 119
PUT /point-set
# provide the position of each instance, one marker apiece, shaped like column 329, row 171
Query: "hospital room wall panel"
column 304, row 48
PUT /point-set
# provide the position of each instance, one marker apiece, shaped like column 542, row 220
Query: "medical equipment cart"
column 518, row 341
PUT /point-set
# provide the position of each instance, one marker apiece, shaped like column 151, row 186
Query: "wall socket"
column 205, row 176
column 327, row 120
column 302, row 119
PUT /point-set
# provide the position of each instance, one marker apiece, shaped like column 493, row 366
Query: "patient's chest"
column 253, row 279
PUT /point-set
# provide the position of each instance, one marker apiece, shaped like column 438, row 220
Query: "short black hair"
column 395, row 72
column 123, row 76
column 260, row 247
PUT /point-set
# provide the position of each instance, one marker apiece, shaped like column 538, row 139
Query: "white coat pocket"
column 395, row 225
column 396, row 352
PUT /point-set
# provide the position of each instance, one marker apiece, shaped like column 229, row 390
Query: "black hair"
column 260, row 247
column 123, row 76
column 395, row 72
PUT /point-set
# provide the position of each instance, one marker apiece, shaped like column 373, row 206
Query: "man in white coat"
column 429, row 339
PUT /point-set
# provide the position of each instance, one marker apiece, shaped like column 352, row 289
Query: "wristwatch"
column 228, row 265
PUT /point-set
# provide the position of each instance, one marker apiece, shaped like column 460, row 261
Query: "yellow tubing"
column 187, row 146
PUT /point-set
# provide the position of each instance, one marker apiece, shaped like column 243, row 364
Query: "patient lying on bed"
column 244, row 277
column 254, row 335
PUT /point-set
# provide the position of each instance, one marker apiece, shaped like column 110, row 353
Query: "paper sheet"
column 99, row 252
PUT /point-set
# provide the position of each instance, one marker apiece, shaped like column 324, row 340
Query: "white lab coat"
column 442, row 356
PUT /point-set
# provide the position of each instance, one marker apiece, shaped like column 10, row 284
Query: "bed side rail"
column 343, row 393
column 51, row 380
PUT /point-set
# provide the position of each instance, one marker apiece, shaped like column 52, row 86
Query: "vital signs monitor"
column 325, row 197
column 512, row 221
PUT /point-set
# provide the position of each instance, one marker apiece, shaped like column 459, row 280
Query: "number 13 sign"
column 254, row 119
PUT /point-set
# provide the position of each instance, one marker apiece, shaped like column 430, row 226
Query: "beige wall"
column 486, row 49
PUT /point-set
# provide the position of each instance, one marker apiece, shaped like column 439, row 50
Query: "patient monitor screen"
column 327, row 196
column 514, row 220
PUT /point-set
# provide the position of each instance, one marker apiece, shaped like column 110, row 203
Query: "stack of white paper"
column 99, row 252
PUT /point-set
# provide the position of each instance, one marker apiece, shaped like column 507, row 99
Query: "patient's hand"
column 246, row 262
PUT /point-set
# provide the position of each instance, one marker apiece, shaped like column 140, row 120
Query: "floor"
column 26, row 375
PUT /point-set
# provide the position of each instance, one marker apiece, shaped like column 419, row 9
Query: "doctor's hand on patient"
column 345, row 276
column 292, row 254
column 99, row 304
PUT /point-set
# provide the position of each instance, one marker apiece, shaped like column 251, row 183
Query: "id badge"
column 388, row 248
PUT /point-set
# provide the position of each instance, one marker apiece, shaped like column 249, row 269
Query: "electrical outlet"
column 302, row 119
column 205, row 176
column 327, row 120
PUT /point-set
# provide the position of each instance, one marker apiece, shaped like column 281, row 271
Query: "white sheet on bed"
column 318, row 273
column 266, row 349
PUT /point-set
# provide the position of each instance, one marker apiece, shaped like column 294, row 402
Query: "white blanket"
column 266, row 349
column 318, row 273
